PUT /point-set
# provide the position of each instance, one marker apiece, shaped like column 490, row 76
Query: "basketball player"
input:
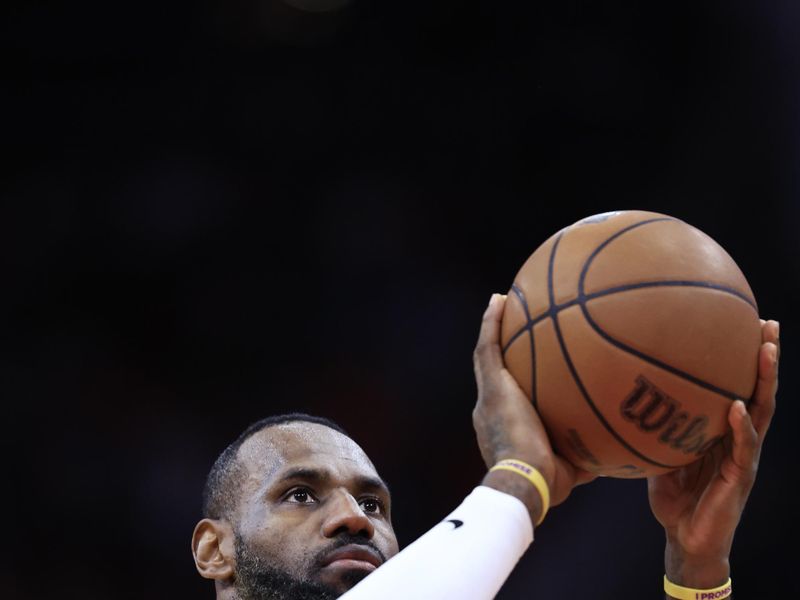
column 294, row 509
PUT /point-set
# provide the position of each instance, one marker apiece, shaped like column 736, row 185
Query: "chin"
column 345, row 579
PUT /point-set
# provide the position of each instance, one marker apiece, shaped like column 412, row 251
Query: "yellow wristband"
column 531, row 474
column 684, row 593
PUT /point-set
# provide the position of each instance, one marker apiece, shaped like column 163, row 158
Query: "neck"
column 226, row 591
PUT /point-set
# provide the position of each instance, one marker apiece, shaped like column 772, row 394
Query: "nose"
column 344, row 515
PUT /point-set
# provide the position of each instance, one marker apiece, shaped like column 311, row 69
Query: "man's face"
column 312, row 508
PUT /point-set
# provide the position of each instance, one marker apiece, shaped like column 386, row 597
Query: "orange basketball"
column 632, row 332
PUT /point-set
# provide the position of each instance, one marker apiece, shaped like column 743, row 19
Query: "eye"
column 300, row 496
column 371, row 505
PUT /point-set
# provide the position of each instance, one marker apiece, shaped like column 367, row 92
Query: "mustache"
column 346, row 539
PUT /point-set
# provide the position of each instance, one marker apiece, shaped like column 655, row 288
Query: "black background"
column 218, row 211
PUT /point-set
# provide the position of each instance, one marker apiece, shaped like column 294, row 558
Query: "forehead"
column 272, row 450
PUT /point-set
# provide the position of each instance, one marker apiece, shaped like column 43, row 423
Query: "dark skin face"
column 313, row 505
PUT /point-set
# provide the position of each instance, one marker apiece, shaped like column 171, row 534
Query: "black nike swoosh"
column 456, row 523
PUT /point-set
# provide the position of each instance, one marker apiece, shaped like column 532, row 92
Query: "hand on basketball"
column 506, row 424
column 700, row 504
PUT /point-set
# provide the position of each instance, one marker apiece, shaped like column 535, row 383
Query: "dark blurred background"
column 216, row 211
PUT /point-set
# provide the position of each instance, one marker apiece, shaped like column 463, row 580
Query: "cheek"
column 285, row 544
column 386, row 540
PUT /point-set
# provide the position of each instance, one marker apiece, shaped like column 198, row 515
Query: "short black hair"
column 221, row 491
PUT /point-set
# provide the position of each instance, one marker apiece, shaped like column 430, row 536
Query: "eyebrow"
column 321, row 476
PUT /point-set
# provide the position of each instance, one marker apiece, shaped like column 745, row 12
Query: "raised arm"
column 508, row 427
column 700, row 505
column 471, row 552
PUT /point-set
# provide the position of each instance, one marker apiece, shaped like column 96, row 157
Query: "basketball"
column 632, row 333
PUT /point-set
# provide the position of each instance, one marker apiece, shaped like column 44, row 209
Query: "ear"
column 213, row 549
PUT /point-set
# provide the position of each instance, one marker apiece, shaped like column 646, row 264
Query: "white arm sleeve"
column 468, row 556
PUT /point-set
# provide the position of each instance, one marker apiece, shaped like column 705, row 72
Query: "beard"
column 256, row 580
